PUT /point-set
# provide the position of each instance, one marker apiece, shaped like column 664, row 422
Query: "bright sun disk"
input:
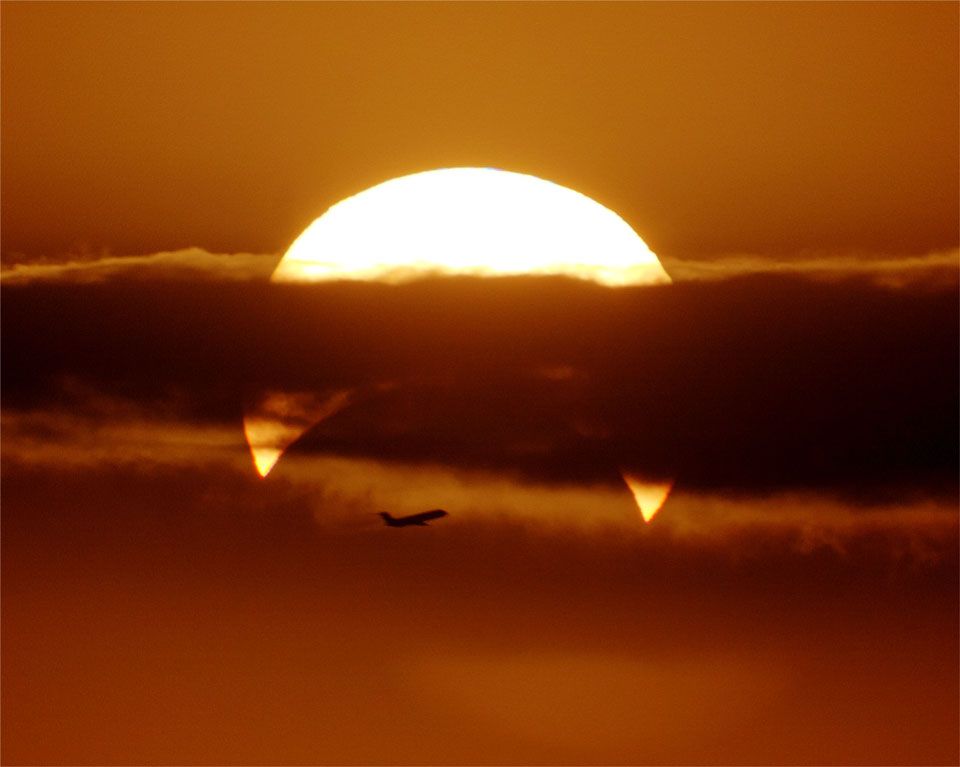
column 469, row 221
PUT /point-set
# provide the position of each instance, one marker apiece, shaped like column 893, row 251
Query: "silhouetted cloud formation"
column 754, row 384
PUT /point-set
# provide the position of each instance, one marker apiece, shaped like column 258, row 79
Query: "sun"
column 469, row 221
column 478, row 222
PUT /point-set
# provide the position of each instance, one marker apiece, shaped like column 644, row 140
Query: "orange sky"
column 170, row 612
column 795, row 599
column 760, row 128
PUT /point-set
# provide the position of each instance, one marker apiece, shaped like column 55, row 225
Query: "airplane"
column 420, row 519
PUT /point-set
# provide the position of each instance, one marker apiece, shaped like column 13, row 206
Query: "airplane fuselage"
column 418, row 520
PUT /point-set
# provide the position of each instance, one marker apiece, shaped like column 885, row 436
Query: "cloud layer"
column 938, row 268
column 191, row 264
column 757, row 384
column 794, row 601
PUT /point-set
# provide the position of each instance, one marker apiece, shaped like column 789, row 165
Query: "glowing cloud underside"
column 469, row 221
column 650, row 496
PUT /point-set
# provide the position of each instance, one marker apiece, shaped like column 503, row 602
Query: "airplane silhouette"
column 420, row 519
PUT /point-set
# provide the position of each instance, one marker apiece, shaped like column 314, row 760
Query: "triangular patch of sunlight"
column 280, row 418
column 650, row 496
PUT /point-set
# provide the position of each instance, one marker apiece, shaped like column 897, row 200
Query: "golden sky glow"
column 469, row 221
column 714, row 127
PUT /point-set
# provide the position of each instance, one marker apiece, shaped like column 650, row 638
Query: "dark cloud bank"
column 751, row 385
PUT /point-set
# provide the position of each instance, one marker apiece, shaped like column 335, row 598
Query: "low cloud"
column 190, row 264
column 187, row 264
column 59, row 439
column 111, row 442
column 894, row 271
column 756, row 385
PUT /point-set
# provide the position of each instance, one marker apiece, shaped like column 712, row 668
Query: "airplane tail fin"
column 387, row 517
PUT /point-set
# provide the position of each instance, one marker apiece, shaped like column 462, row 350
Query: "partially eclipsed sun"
column 455, row 221
column 469, row 221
